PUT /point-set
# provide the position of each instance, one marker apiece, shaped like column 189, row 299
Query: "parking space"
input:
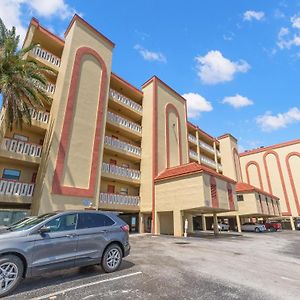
column 247, row 266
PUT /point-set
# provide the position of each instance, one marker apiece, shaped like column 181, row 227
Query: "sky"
column 236, row 62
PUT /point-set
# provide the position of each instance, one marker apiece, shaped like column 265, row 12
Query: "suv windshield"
column 29, row 223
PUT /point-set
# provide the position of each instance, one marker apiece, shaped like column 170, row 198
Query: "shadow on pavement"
column 65, row 276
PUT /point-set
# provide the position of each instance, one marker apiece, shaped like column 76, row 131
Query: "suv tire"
column 257, row 229
column 11, row 273
column 112, row 258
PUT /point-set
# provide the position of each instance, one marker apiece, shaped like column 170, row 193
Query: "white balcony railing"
column 207, row 161
column 49, row 88
column 128, row 102
column 193, row 154
column 123, row 146
column 121, row 171
column 45, row 55
column 192, row 139
column 119, row 199
column 21, row 147
column 16, row 188
column 40, row 116
column 123, row 122
column 209, row 148
column 218, row 153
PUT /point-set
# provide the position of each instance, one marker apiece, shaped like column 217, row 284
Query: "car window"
column 31, row 222
column 62, row 223
column 92, row 220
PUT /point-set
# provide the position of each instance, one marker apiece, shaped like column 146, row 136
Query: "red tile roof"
column 242, row 187
column 190, row 168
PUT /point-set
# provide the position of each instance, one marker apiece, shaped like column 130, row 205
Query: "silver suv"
column 61, row 240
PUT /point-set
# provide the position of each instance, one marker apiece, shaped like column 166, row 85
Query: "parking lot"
column 248, row 266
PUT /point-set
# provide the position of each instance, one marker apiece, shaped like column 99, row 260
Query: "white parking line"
column 85, row 285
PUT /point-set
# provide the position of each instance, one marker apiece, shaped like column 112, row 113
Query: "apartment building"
column 275, row 169
column 105, row 144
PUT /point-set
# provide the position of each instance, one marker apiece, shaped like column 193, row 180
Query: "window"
column 240, row 197
column 62, row 223
column 20, row 137
column 92, row 220
column 111, row 189
column 11, row 174
column 124, row 191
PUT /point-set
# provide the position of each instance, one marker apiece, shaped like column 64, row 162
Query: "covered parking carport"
column 253, row 204
column 188, row 190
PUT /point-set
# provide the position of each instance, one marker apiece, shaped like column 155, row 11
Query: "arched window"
column 214, row 192
column 230, row 197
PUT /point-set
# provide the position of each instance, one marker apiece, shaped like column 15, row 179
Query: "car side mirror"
column 44, row 229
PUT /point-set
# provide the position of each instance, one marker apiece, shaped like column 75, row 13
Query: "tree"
column 22, row 81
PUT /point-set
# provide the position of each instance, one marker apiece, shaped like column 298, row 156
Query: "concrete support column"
column 292, row 223
column 190, row 223
column 157, row 224
column 178, row 224
column 216, row 229
column 204, row 223
column 238, row 223
column 141, row 223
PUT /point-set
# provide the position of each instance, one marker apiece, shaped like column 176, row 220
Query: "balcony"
column 49, row 88
column 206, row 147
column 121, row 173
column 208, row 162
column 21, row 150
column 192, row 139
column 39, row 118
column 15, row 191
column 130, row 127
column 117, row 199
column 193, row 155
column 46, row 57
column 122, row 147
column 125, row 102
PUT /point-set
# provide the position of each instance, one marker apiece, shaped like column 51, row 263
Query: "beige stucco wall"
column 191, row 192
column 82, row 132
column 230, row 160
column 165, row 97
column 147, row 151
column 274, row 173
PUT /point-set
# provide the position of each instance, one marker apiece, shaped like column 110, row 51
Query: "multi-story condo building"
column 105, row 144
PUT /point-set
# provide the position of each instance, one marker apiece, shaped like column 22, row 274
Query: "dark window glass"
column 240, row 198
column 11, row 174
column 92, row 220
column 62, row 223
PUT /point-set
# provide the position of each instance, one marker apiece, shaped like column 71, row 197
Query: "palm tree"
column 21, row 81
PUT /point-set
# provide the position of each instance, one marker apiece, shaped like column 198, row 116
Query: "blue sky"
column 237, row 62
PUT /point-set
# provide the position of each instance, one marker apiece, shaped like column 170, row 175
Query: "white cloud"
column 10, row 12
column 269, row 122
column 296, row 21
column 237, row 101
column 285, row 41
column 196, row 104
column 215, row 68
column 150, row 55
column 250, row 15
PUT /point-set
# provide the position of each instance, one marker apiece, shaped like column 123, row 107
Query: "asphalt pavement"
column 249, row 266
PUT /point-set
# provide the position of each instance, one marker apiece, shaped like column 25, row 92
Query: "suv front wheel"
column 112, row 258
column 11, row 272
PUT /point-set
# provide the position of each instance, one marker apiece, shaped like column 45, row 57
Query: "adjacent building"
column 105, row 144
